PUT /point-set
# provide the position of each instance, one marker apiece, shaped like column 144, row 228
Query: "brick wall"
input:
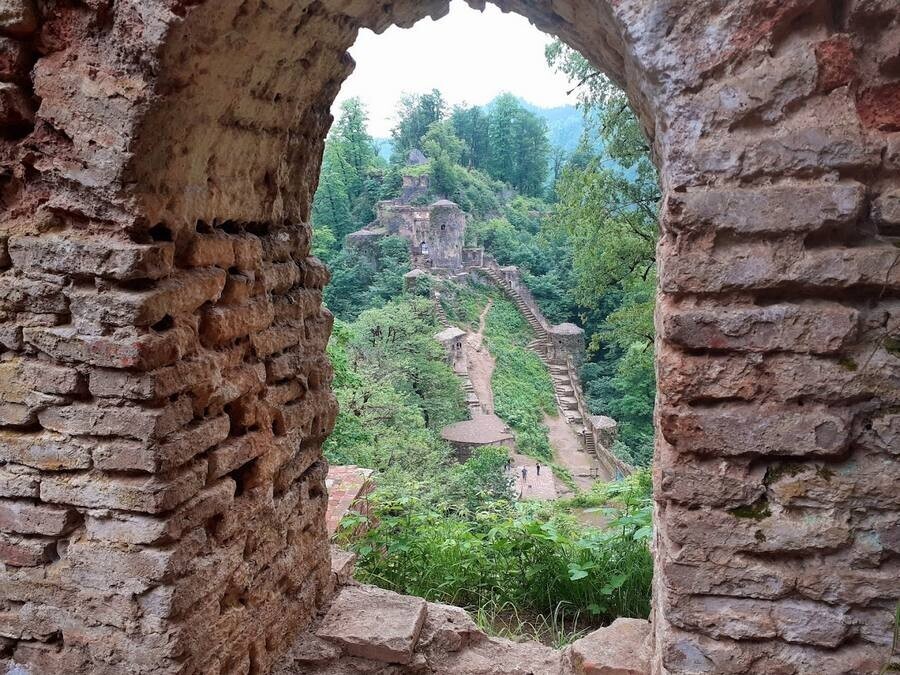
column 163, row 384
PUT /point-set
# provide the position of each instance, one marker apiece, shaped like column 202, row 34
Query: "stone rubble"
column 371, row 630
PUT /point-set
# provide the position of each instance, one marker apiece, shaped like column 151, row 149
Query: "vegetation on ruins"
column 532, row 557
column 453, row 532
column 581, row 227
column 585, row 241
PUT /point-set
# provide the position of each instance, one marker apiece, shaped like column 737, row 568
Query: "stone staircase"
column 441, row 314
column 473, row 403
column 563, row 385
column 541, row 343
column 566, row 385
column 565, row 395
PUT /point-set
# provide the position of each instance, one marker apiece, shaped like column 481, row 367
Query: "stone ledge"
column 374, row 624
column 371, row 630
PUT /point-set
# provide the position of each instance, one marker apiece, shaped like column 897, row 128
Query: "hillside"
column 565, row 125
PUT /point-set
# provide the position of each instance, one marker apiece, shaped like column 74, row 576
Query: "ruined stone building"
column 164, row 388
column 435, row 232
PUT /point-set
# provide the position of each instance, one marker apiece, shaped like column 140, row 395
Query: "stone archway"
column 164, row 389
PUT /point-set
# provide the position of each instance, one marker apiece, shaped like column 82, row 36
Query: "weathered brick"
column 240, row 290
column 879, row 107
column 44, row 450
column 286, row 244
column 694, row 534
column 769, row 430
column 315, row 273
column 777, row 377
column 706, row 481
column 156, row 384
column 281, row 277
column 41, row 295
column 51, row 378
column 886, row 209
column 836, row 61
column 77, row 254
column 160, row 456
column 818, row 328
column 760, row 265
column 136, row 568
column 19, row 551
column 296, row 305
column 101, row 419
column 248, row 253
column 224, row 324
column 133, row 528
column 25, row 517
column 780, row 209
column 866, row 481
column 742, row 619
column 125, row 348
column 207, row 250
column 235, row 452
column 19, row 481
column 181, row 294
column 146, row 494
column 275, row 340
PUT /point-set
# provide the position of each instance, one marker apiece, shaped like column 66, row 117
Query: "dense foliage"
column 581, row 225
column 531, row 557
column 607, row 203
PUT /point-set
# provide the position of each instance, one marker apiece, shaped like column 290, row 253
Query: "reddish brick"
column 879, row 107
column 837, row 63
column 26, row 551
column 30, row 518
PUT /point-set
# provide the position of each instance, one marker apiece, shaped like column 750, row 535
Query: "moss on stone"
column 826, row 473
column 848, row 364
column 778, row 471
column 758, row 510
column 892, row 345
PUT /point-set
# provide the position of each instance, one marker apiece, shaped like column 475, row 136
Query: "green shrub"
column 531, row 557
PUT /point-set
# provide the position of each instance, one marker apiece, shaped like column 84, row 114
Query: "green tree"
column 416, row 114
column 608, row 197
column 518, row 151
column 350, row 179
column 471, row 125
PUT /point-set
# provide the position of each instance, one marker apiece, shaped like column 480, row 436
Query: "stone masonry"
column 164, row 390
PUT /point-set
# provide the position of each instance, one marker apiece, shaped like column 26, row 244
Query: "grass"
column 500, row 554
column 523, row 389
column 559, row 628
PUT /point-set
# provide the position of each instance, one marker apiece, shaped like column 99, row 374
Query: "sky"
column 470, row 56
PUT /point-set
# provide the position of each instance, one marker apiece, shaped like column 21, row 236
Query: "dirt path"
column 538, row 486
column 481, row 364
column 567, row 452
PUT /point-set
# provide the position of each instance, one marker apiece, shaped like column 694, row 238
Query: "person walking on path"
column 538, row 468
column 524, row 473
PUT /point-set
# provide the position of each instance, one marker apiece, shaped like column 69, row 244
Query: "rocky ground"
column 371, row 631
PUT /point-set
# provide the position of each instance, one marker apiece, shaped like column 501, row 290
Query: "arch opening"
column 163, row 493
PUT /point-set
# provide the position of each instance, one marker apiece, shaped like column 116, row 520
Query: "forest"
column 581, row 225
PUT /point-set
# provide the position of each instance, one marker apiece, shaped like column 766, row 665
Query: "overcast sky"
column 470, row 56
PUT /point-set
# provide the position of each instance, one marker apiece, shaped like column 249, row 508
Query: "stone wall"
column 164, row 387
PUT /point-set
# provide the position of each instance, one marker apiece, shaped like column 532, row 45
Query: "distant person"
column 524, row 473
column 538, row 469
